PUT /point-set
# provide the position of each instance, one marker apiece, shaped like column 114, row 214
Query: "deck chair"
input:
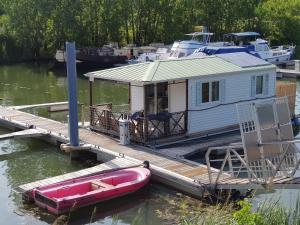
column 268, row 143
column 268, row 139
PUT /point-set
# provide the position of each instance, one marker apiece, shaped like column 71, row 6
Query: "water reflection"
column 25, row 84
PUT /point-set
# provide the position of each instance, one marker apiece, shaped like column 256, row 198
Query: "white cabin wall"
column 177, row 96
column 137, row 97
column 210, row 116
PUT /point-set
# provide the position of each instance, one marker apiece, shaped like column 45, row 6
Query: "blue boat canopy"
column 211, row 50
column 242, row 34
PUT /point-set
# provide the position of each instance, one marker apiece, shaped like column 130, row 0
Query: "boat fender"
column 146, row 164
column 295, row 121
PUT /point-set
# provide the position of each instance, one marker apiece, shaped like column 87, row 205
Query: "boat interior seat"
column 97, row 184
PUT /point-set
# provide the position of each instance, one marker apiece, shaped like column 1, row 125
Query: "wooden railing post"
column 91, row 109
column 185, row 120
column 107, row 119
column 145, row 129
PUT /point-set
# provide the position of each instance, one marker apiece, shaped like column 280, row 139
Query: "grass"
column 238, row 213
column 268, row 213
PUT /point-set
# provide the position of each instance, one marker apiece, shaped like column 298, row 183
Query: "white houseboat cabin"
column 183, row 97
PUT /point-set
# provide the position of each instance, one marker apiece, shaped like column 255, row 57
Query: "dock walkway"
column 22, row 134
column 185, row 176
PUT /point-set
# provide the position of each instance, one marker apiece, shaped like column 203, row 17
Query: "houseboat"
column 92, row 58
column 183, row 97
column 133, row 52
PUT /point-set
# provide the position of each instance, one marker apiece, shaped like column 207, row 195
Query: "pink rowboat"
column 72, row 194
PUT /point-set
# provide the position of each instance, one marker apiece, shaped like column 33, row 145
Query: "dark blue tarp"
column 210, row 50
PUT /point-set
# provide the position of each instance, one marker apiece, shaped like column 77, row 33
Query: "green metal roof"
column 168, row 70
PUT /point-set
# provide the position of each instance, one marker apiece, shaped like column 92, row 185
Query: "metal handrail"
column 227, row 158
column 251, row 172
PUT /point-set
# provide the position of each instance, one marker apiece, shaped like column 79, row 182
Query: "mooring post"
column 72, row 93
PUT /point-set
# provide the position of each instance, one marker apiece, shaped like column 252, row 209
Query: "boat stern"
column 46, row 203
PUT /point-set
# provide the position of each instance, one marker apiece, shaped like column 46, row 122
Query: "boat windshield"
column 242, row 38
column 205, row 36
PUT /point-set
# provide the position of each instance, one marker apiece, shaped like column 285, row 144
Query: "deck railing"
column 105, row 118
column 163, row 125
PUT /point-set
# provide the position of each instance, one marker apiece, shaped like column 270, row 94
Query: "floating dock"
column 292, row 73
column 23, row 134
column 178, row 173
column 287, row 73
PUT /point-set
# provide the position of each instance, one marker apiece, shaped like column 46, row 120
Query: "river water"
column 27, row 160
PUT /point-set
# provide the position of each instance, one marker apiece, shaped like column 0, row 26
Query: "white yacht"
column 184, row 48
column 260, row 47
column 161, row 53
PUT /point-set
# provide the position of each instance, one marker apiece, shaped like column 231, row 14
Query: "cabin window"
column 156, row 97
column 205, row 92
column 150, row 98
column 162, row 97
column 215, row 91
column 259, row 85
column 210, row 91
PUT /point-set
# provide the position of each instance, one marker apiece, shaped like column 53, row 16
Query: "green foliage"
column 279, row 20
column 31, row 29
column 245, row 214
column 185, row 211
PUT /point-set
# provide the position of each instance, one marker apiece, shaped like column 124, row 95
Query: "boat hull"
column 70, row 195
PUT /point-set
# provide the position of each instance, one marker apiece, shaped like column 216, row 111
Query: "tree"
column 279, row 20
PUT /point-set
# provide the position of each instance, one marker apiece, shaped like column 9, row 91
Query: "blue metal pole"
column 72, row 93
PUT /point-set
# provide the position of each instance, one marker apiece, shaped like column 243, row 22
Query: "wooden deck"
column 189, row 177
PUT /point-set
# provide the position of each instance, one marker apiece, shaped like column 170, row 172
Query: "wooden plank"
column 194, row 172
column 172, row 166
column 182, row 169
column 168, row 163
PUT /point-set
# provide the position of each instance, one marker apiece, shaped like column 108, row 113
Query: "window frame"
column 262, row 85
column 210, row 92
